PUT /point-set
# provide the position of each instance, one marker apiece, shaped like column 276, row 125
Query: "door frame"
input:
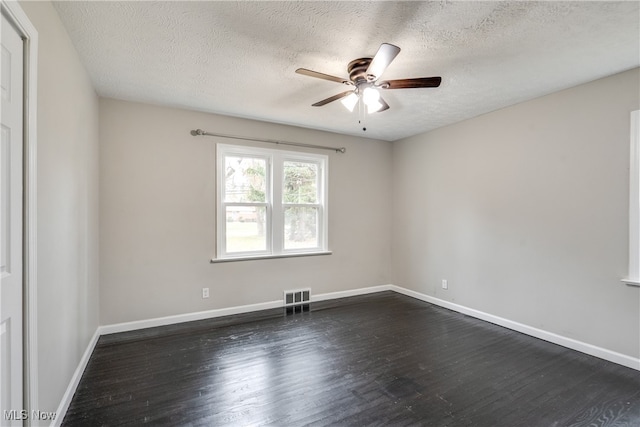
column 14, row 13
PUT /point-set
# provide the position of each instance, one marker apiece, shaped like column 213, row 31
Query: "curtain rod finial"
column 197, row 132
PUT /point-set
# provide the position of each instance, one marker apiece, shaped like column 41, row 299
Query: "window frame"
column 633, row 276
column 275, row 205
column 319, row 205
column 222, row 204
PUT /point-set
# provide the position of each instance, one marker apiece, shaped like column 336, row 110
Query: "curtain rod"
column 200, row 132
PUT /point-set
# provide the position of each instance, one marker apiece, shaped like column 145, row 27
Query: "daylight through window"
column 270, row 202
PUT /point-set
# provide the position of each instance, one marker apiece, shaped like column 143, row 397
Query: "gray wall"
column 525, row 212
column 157, row 228
column 67, row 187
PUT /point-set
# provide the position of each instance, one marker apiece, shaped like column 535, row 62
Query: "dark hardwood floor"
column 382, row 359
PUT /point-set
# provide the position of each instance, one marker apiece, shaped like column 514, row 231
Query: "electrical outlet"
column 205, row 292
column 445, row 284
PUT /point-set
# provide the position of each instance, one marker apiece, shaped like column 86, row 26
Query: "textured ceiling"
column 239, row 58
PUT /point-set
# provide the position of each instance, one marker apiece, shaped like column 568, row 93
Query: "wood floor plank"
column 377, row 360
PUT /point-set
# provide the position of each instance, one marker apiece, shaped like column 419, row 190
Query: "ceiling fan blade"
column 386, row 53
column 411, row 83
column 332, row 98
column 322, row 76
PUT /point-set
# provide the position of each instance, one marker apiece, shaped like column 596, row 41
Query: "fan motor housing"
column 358, row 70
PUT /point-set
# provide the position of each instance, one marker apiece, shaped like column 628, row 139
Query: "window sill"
column 631, row 282
column 258, row 257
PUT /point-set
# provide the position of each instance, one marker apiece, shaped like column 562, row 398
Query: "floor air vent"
column 297, row 301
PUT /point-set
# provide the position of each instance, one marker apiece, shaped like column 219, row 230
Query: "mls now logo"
column 16, row 415
column 22, row 415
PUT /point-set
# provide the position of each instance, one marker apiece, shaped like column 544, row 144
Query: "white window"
column 633, row 278
column 270, row 203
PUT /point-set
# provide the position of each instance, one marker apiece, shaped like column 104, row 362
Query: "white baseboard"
column 351, row 293
column 210, row 314
column 75, row 380
column 580, row 346
column 187, row 317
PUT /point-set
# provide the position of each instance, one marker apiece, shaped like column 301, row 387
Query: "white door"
column 11, row 181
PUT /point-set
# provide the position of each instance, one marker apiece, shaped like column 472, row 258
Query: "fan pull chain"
column 362, row 114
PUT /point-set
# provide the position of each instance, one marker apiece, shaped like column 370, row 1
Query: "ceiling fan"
column 363, row 77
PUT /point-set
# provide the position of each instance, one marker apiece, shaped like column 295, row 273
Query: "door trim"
column 14, row 13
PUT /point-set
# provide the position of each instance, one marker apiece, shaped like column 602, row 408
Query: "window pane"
column 301, row 228
column 300, row 182
column 245, row 179
column 246, row 228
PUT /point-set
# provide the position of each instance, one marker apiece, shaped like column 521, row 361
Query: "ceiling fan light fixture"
column 374, row 107
column 370, row 96
column 350, row 101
